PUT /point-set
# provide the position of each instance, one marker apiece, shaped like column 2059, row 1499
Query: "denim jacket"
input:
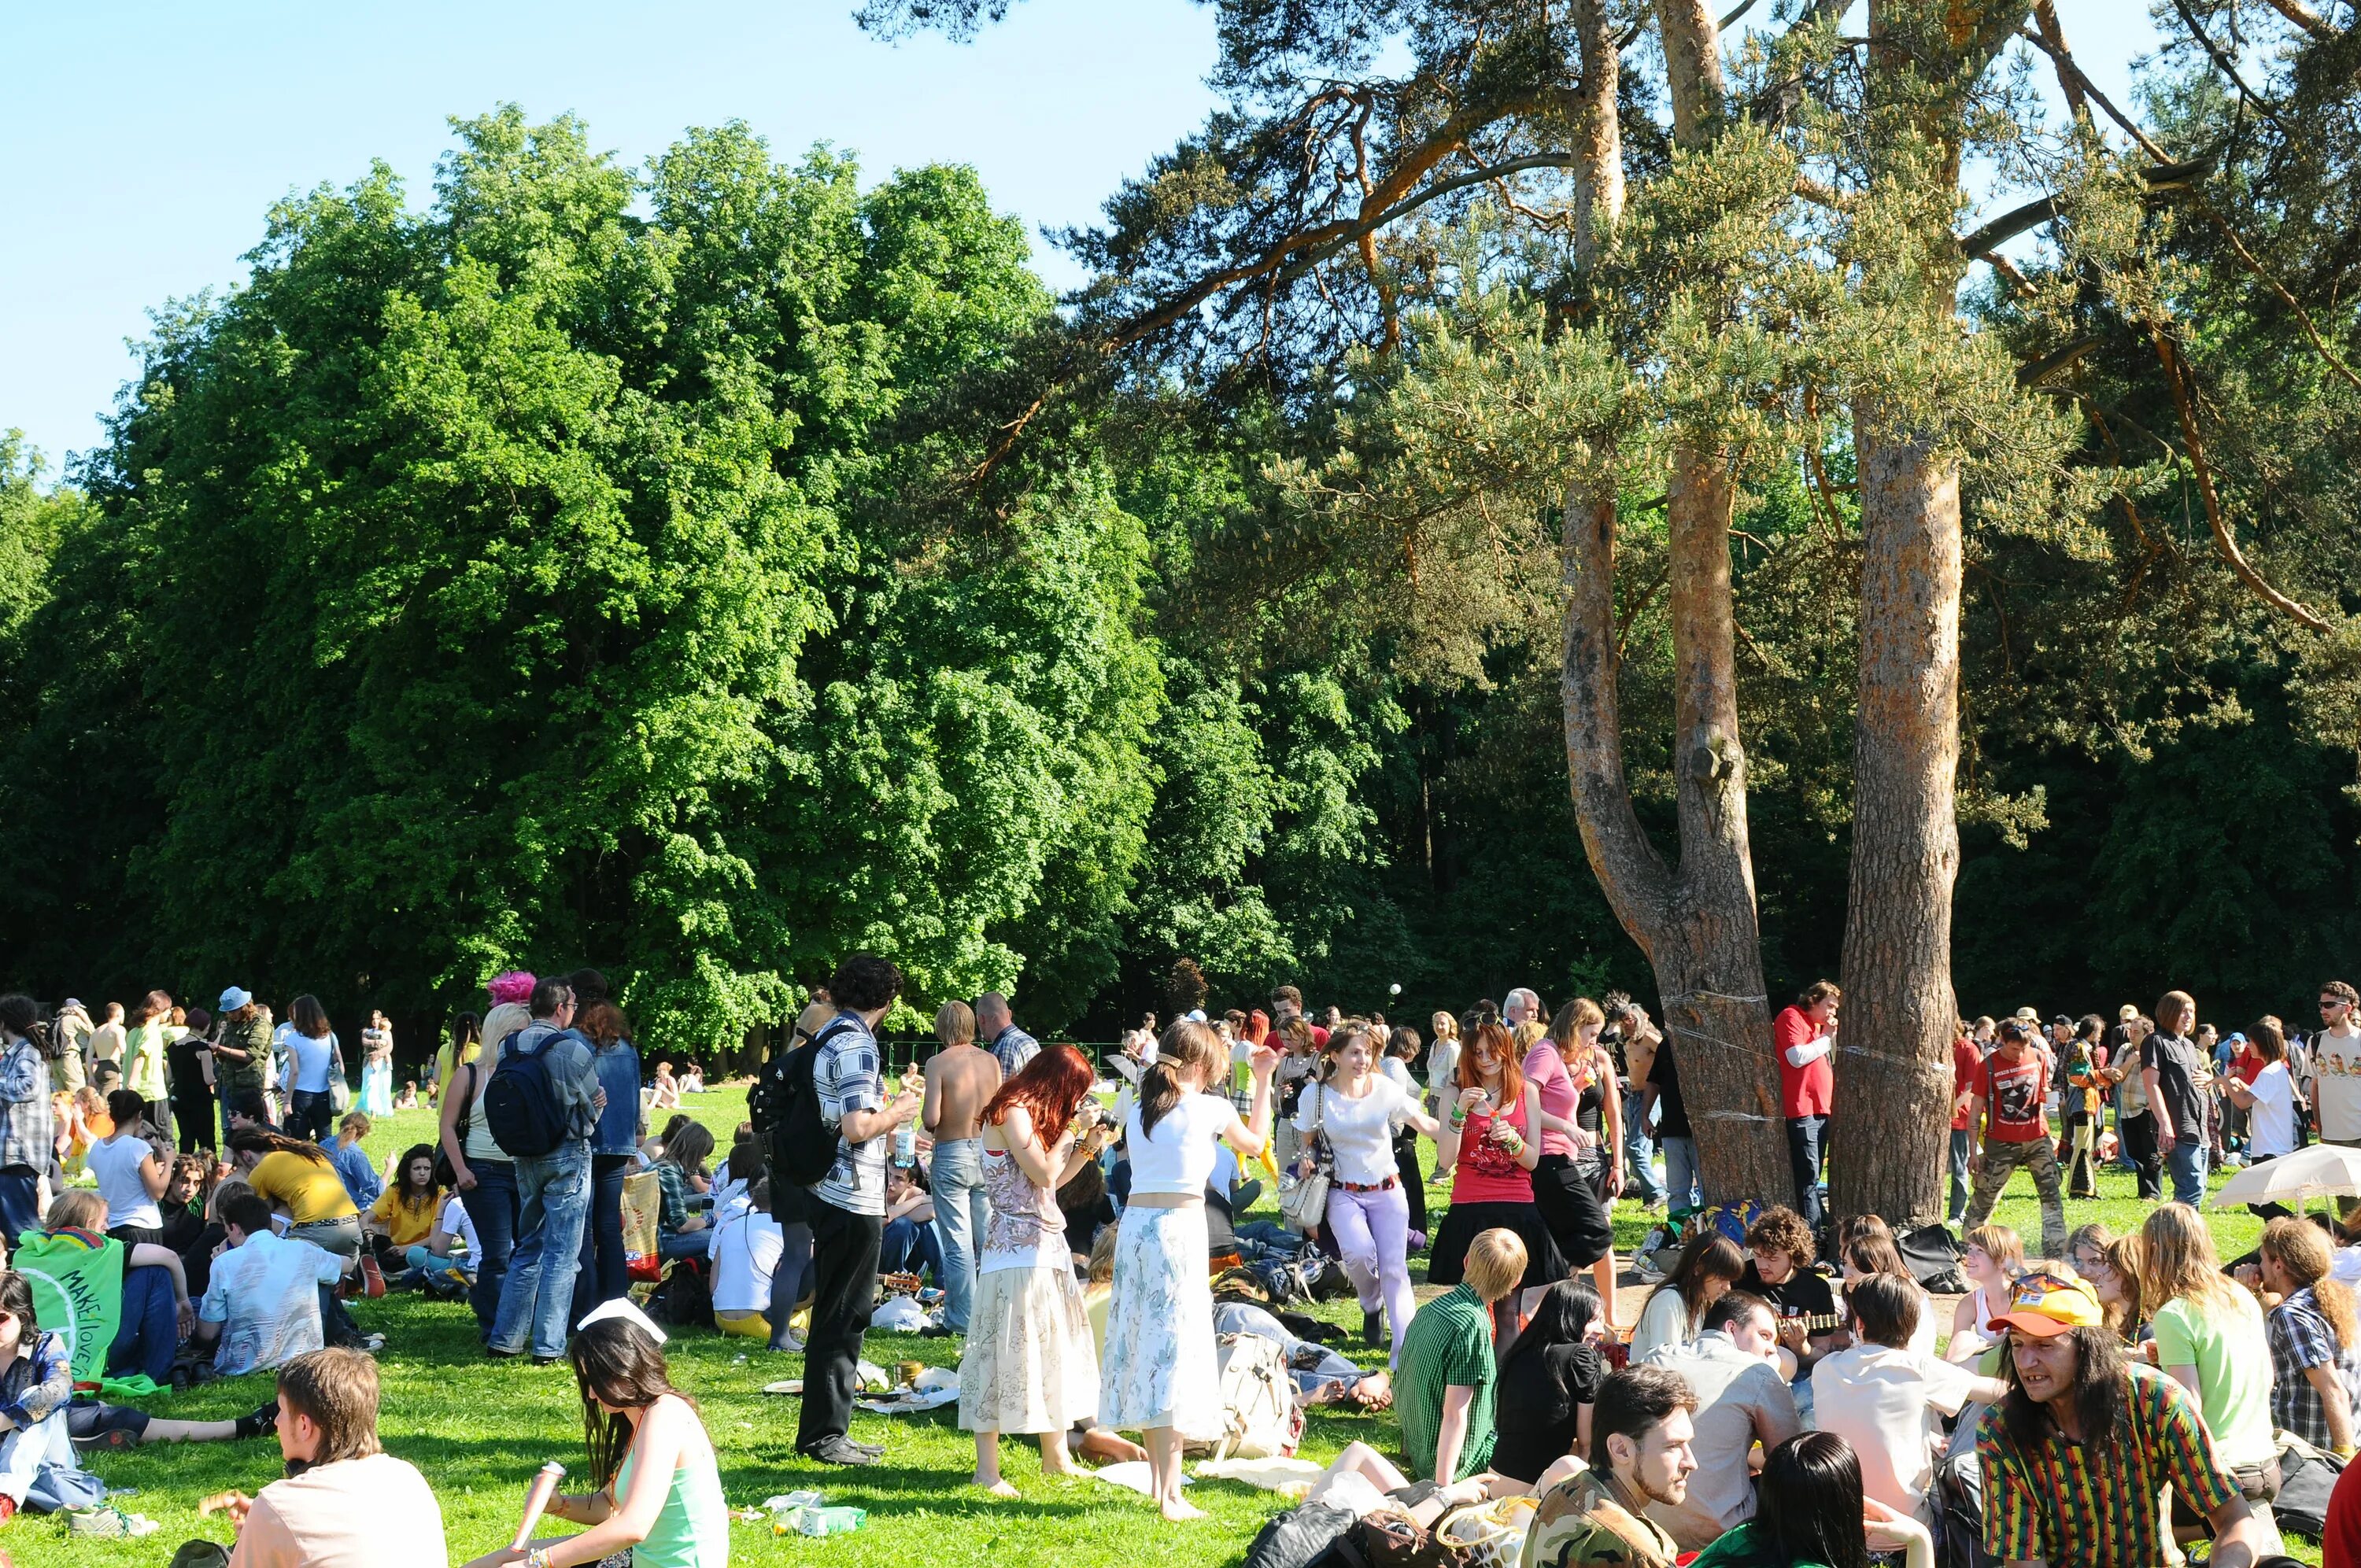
column 618, row 1074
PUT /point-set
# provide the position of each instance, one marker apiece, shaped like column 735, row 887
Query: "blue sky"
column 144, row 142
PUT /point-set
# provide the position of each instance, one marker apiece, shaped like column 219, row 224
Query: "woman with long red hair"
column 1029, row 1364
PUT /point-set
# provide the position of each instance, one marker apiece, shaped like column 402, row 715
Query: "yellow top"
column 308, row 1190
column 406, row 1224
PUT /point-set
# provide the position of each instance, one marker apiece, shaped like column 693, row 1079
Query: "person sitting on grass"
column 908, row 1242
column 133, row 1166
column 1733, row 1369
column 1814, row 1515
column 404, row 1213
column 660, row 1497
column 1993, row 1258
column 1445, row 1375
column 1549, row 1381
column 1594, row 1513
column 362, row 1183
column 36, row 1381
column 345, row 1503
column 445, row 1263
column 2314, row 1339
column 747, row 1242
column 262, row 1306
column 680, row 1231
column 124, row 1309
column 1881, row 1395
column 1709, row 1268
column 2074, row 1459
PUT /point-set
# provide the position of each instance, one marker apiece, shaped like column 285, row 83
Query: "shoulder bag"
column 1305, row 1205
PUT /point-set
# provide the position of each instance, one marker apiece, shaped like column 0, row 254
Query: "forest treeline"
column 706, row 568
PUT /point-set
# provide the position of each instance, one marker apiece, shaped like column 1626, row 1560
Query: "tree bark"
column 1894, row 1064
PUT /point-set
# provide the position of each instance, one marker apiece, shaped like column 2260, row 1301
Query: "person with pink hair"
column 511, row 985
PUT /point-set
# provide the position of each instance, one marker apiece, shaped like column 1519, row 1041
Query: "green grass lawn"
column 479, row 1430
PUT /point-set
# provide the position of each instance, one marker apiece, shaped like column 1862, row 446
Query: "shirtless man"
column 960, row 1079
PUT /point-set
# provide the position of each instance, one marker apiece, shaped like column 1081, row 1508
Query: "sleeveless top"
column 1026, row 1230
column 1487, row 1173
column 692, row 1528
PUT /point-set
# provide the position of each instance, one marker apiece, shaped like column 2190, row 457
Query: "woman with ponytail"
column 1160, row 1374
column 2315, row 1343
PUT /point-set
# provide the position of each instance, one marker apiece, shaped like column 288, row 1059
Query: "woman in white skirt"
column 1160, row 1374
column 1029, row 1364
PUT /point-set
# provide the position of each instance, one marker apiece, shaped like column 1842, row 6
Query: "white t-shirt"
column 453, row 1222
column 1665, row 1320
column 115, row 1162
column 1442, row 1061
column 746, row 1248
column 2271, row 1119
column 1883, row 1402
column 1177, row 1157
column 1360, row 1132
column 2336, row 1085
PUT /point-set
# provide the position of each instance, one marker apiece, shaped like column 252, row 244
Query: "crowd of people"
column 1778, row 1396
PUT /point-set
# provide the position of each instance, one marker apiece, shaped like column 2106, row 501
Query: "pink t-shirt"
column 1545, row 1070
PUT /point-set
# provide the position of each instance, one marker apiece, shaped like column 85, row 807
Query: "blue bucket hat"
column 235, row 998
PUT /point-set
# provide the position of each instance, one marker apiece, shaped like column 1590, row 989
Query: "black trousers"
column 1413, row 1179
column 844, row 1292
column 2138, row 1135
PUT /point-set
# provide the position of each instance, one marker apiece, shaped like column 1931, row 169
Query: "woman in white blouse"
column 1356, row 1108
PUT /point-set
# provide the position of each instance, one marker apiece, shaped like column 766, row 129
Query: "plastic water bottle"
column 905, row 1144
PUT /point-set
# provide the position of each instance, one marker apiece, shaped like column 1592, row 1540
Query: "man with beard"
column 1596, row 1518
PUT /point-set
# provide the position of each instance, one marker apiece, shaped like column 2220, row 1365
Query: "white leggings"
column 1371, row 1233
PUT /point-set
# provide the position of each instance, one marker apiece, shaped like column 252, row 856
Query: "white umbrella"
column 2323, row 1170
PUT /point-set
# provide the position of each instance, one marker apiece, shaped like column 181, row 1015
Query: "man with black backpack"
column 848, row 1207
column 541, row 1106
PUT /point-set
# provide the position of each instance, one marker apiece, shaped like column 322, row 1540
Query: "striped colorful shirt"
column 2073, row 1509
column 1448, row 1343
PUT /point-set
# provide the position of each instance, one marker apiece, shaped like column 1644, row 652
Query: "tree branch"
column 2303, row 15
column 2222, row 541
column 2304, row 316
column 2071, row 80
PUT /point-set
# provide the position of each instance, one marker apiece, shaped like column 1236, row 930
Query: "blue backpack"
column 521, row 1102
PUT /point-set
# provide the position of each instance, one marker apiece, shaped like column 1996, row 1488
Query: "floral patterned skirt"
column 1029, row 1366
column 1160, row 1366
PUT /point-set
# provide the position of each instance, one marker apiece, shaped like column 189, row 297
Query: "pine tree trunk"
column 1894, row 1063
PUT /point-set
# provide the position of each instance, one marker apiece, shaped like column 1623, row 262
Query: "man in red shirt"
column 2010, row 1096
column 1804, row 1036
column 1967, row 1074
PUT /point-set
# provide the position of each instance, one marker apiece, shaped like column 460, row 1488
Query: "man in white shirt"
column 1732, row 1368
column 262, row 1302
column 2336, row 1065
column 1883, row 1399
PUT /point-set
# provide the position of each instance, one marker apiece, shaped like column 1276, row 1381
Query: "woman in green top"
column 2209, row 1337
column 1810, row 1513
column 662, row 1497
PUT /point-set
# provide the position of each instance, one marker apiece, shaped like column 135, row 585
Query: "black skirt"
column 1463, row 1222
column 1570, row 1207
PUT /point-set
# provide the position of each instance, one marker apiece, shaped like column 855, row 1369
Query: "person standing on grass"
column 480, row 1168
column 241, row 1051
column 553, row 1181
column 189, row 1067
column 1030, row 1365
column 1582, row 1134
column 143, row 1057
column 1356, row 1109
column 602, row 1272
column 1967, row 1075
column 316, row 1055
column 2266, row 1095
column 2336, row 1064
column 1161, row 1374
column 107, row 1041
column 70, row 1031
column 1805, row 1036
column 960, row 1079
column 28, row 1135
column 1491, row 1141
column 2011, row 1100
column 847, row 1209
column 1009, row 1045
column 2173, row 1071
column 2083, row 1069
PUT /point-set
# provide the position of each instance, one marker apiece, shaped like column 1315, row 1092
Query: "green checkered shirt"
column 1448, row 1344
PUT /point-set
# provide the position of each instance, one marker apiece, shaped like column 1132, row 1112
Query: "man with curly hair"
column 1780, row 1271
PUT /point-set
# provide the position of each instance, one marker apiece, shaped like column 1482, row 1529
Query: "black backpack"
column 521, row 1102
column 802, row 1147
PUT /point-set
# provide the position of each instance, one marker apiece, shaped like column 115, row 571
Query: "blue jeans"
column 20, row 1202
column 960, row 1215
column 603, row 1274
column 493, row 1208
column 1639, row 1153
column 149, row 1331
column 685, row 1244
column 1804, row 1134
column 1683, row 1193
column 311, row 1115
column 1963, row 1149
column 905, row 1247
column 2187, row 1162
column 553, row 1201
